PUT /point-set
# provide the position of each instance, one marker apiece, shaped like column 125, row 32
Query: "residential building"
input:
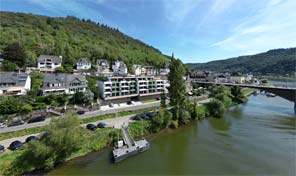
column 221, row 78
column 83, row 64
column 103, row 68
column 48, row 63
column 165, row 70
column 238, row 79
column 119, row 68
column 144, row 70
column 131, row 88
column 14, row 83
column 60, row 83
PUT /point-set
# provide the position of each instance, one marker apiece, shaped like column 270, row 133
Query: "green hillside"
column 73, row 38
column 273, row 62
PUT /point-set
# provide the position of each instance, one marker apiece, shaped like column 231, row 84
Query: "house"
column 14, row 83
column 144, row 70
column 103, row 68
column 83, row 64
column 237, row 78
column 137, row 69
column 48, row 63
column 221, row 78
column 165, row 70
column 60, row 83
column 128, row 88
column 119, row 68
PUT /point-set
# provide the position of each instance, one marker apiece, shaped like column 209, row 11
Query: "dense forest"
column 72, row 38
column 273, row 62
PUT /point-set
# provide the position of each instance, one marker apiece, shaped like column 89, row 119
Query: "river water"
column 258, row 137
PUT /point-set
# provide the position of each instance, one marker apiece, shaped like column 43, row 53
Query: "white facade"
column 20, row 86
column 238, row 79
column 83, row 64
column 119, row 68
column 119, row 87
column 48, row 62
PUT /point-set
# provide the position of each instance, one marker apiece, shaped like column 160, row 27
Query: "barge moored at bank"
column 130, row 147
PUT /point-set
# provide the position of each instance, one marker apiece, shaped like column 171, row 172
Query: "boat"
column 128, row 147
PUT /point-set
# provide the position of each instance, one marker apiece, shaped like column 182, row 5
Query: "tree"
column 184, row 117
column 26, row 108
column 177, row 91
column 216, row 108
column 193, row 112
column 9, row 66
column 167, row 118
column 163, row 100
column 82, row 98
column 238, row 96
column 63, row 138
column 15, row 53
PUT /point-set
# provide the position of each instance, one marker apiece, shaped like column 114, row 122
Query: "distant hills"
column 73, row 38
column 272, row 62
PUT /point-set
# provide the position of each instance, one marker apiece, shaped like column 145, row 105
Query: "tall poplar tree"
column 177, row 89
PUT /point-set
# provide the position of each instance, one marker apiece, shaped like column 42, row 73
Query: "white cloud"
column 272, row 27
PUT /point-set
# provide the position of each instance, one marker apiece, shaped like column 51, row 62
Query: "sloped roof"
column 62, row 78
column 83, row 61
column 18, row 78
column 54, row 59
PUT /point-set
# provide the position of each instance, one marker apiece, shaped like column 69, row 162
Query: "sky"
column 194, row 30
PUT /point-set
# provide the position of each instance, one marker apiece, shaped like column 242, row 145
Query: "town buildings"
column 123, row 89
column 103, row 68
column 144, row 70
column 48, row 63
column 60, row 83
column 14, row 83
column 83, row 64
column 119, row 68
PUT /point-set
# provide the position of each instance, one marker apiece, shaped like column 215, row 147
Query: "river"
column 258, row 137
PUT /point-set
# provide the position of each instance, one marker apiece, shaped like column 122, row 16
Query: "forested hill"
column 272, row 62
column 73, row 38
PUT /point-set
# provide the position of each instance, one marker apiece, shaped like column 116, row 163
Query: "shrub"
column 216, row 108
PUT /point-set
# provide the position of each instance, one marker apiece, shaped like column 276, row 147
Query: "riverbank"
column 137, row 129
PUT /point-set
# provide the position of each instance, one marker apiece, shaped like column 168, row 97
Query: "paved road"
column 86, row 115
column 94, row 113
column 113, row 122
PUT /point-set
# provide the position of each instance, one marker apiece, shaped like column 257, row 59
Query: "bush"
column 174, row 124
column 167, row 118
column 184, row 117
column 216, row 108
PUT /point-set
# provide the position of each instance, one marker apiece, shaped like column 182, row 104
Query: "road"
column 106, row 110
column 113, row 122
column 86, row 115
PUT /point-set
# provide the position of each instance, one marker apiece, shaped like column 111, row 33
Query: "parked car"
column 2, row 125
column 91, row 127
column 129, row 103
column 37, row 119
column 80, row 112
column 111, row 105
column 16, row 123
column 102, row 125
column 2, row 149
column 137, row 117
column 15, row 145
column 32, row 138
column 151, row 114
column 144, row 116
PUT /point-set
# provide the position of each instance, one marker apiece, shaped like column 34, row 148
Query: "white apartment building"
column 123, row 87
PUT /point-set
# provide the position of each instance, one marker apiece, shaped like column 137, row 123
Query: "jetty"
column 130, row 147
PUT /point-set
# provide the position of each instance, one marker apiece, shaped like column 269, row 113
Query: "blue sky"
column 195, row 30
